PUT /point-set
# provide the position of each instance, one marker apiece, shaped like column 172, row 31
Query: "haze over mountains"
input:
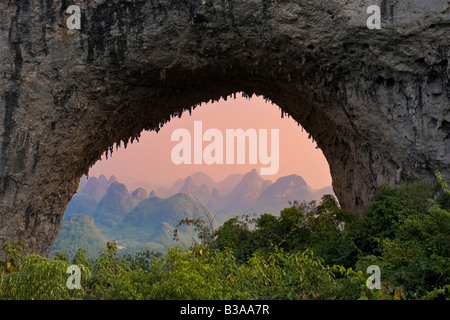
column 236, row 194
column 146, row 219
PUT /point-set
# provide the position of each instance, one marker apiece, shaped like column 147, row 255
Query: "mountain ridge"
column 141, row 219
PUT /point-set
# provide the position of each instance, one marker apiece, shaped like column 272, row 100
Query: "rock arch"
column 376, row 101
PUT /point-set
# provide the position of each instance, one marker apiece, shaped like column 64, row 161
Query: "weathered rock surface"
column 376, row 101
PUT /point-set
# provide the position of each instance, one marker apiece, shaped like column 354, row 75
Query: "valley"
column 105, row 209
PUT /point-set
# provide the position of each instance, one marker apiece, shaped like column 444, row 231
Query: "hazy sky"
column 150, row 160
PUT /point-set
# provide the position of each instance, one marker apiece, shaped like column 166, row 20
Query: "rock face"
column 375, row 100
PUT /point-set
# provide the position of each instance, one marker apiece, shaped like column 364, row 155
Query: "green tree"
column 387, row 212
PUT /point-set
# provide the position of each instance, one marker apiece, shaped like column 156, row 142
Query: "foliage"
column 14, row 255
column 409, row 232
column 200, row 273
column 311, row 250
column 38, row 278
column 302, row 226
column 417, row 260
column 203, row 228
column 389, row 209
column 444, row 195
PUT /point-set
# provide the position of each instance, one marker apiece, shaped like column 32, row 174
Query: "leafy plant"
column 310, row 251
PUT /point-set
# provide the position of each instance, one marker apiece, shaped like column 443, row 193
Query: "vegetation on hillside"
column 79, row 231
column 310, row 251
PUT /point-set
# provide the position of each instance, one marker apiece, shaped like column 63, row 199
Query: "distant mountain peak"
column 188, row 185
column 200, row 174
column 116, row 200
column 117, row 186
column 251, row 176
column 293, row 178
column 292, row 187
column 215, row 192
column 139, row 194
column 199, row 192
column 96, row 187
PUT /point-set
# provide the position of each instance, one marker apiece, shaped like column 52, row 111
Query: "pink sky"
column 150, row 159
